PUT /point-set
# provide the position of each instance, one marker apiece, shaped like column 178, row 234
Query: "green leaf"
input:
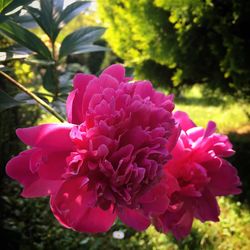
column 51, row 17
column 5, row 56
column 47, row 16
column 7, row 101
column 88, row 49
column 23, row 37
column 78, row 41
column 72, row 11
column 49, row 80
column 4, row 4
column 14, row 52
column 15, row 4
column 38, row 61
column 26, row 21
column 44, row 19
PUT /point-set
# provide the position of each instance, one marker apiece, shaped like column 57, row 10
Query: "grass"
column 229, row 114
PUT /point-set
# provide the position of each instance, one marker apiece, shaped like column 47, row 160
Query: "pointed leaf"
column 88, row 49
column 38, row 61
column 72, row 11
column 14, row 52
column 74, row 42
column 48, row 15
column 4, row 4
column 45, row 18
column 26, row 21
column 15, row 4
column 7, row 101
column 23, row 37
column 5, row 56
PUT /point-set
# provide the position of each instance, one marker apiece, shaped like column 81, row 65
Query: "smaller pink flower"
column 199, row 173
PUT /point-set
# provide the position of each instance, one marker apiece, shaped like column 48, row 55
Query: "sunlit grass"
column 228, row 113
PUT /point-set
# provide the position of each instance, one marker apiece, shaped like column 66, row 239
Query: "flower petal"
column 74, row 207
column 54, row 137
column 183, row 226
column 70, row 111
column 155, row 201
column 211, row 127
column 134, row 218
column 117, row 71
column 206, row 207
column 184, row 120
column 53, row 166
column 179, row 223
column 75, row 99
column 41, row 187
column 19, row 169
column 225, row 181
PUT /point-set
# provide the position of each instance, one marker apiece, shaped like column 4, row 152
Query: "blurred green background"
column 197, row 49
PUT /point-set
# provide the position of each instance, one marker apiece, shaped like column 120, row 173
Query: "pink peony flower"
column 107, row 160
column 198, row 173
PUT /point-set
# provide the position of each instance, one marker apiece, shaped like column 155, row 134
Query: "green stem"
column 55, row 71
column 33, row 96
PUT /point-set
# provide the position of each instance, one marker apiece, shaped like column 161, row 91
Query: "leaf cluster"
column 45, row 53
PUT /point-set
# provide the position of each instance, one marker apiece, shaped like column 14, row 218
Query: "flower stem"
column 33, row 96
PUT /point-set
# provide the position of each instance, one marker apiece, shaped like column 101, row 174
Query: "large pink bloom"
column 198, row 173
column 107, row 160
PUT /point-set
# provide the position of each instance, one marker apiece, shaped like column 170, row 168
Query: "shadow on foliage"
column 201, row 101
column 241, row 143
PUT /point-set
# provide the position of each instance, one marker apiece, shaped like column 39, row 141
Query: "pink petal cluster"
column 197, row 173
column 108, row 160
column 124, row 154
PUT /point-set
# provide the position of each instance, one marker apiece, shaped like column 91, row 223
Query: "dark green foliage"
column 7, row 101
column 10, row 5
column 185, row 42
column 80, row 41
column 23, row 37
column 46, row 54
column 241, row 144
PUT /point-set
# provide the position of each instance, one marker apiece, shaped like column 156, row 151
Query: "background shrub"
column 182, row 42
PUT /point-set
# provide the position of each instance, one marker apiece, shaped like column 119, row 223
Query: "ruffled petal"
column 211, row 127
column 179, row 223
column 19, row 168
column 52, row 137
column 75, row 98
column 183, row 225
column 70, row 111
column 53, row 165
column 117, row 71
column 206, row 207
column 172, row 140
column 134, row 218
column 74, row 207
column 155, row 201
column 225, row 180
column 184, row 120
column 41, row 187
